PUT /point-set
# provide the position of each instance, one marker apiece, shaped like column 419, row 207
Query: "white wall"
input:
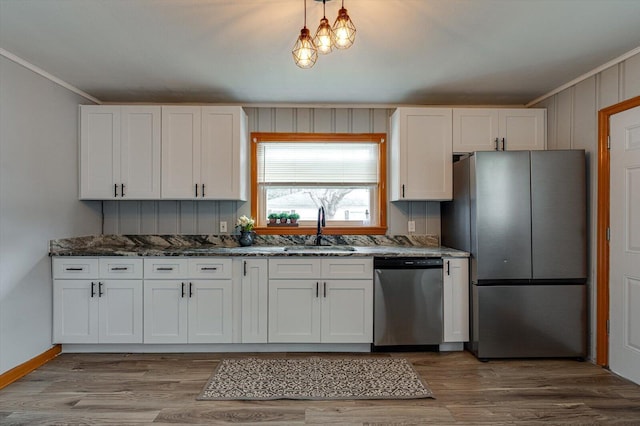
column 203, row 217
column 572, row 123
column 38, row 202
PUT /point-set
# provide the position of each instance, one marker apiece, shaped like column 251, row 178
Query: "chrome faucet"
column 321, row 223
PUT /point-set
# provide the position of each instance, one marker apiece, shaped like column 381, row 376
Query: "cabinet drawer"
column 306, row 267
column 75, row 268
column 120, row 268
column 346, row 268
column 212, row 268
column 169, row 268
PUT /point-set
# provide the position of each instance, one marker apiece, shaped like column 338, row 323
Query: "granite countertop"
column 267, row 245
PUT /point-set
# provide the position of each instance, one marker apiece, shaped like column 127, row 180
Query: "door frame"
column 603, row 205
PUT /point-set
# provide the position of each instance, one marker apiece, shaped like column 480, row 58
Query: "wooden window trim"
column 379, row 138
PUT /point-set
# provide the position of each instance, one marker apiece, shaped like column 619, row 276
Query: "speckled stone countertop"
column 264, row 245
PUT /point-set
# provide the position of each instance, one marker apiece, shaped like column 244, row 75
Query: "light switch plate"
column 223, row 226
column 411, row 225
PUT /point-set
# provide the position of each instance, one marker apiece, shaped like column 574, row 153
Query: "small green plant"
column 283, row 217
column 273, row 216
column 294, row 216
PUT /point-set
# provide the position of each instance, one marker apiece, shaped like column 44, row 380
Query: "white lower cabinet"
column 93, row 304
column 255, row 296
column 456, row 299
column 188, row 308
column 326, row 309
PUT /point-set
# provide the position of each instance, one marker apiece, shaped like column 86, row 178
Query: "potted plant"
column 293, row 217
column 245, row 224
column 273, row 217
column 283, row 217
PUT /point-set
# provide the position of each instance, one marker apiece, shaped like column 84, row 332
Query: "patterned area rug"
column 315, row 378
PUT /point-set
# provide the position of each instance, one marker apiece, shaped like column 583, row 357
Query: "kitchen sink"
column 319, row 248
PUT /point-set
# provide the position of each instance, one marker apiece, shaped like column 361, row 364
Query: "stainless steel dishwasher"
column 407, row 301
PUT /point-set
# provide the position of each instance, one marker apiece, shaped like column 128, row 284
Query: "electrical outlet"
column 412, row 226
column 223, row 226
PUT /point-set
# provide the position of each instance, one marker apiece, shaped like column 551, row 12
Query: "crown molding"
column 28, row 65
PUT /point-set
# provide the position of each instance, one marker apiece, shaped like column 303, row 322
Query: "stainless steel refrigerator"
column 522, row 216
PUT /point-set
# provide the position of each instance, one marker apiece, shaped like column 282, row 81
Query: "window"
column 300, row 172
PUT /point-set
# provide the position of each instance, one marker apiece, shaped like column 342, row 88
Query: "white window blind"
column 317, row 163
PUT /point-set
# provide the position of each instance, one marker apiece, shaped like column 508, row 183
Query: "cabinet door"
column 165, row 311
column 425, row 160
column 294, row 311
column 255, row 291
column 347, row 311
column 120, row 311
column 210, row 311
column 456, row 299
column 99, row 152
column 75, row 311
column 140, row 152
column 180, row 147
column 223, row 162
column 475, row 129
column 523, row 129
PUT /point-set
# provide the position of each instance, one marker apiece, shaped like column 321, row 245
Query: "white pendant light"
column 304, row 50
column 324, row 38
column 344, row 30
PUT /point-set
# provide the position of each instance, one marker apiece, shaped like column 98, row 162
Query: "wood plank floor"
column 161, row 389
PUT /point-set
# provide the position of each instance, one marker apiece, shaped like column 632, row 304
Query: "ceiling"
column 457, row 52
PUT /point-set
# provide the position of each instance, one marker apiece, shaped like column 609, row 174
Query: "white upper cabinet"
column 488, row 129
column 421, row 154
column 119, row 152
column 204, row 153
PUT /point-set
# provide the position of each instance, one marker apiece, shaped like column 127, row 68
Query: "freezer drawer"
column 523, row 321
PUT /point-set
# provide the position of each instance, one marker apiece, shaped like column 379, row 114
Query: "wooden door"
column 624, row 256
